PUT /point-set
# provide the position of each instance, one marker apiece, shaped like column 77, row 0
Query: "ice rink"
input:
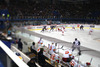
column 89, row 43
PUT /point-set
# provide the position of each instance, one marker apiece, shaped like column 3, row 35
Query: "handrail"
column 11, row 54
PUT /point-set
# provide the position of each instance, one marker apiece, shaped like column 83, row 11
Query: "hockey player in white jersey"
column 90, row 31
column 67, row 55
column 40, row 42
column 55, row 58
column 73, row 27
column 63, row 30
column 52, row 48
column 74, row 63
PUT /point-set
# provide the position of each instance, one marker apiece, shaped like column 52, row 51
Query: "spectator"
column 9, row 32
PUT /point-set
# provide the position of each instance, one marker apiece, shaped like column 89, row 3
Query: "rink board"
column 67, row 26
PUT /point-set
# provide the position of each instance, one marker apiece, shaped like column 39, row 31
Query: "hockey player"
column 73, row 63
column 73, row 28
column 57, row 58
column 56, row 28
column 59, row 29
column 67, row 56
column 43, row 29
column 81, row 27
column 40, row 42
column 90, row 31
column 54, row 57
column 52, row 48
column 52, row 28
column 63, row 30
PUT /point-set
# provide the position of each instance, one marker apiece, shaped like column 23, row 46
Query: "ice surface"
column 89, row 41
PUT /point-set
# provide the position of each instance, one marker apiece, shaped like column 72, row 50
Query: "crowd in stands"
column 3, row 4
column 25, row 9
